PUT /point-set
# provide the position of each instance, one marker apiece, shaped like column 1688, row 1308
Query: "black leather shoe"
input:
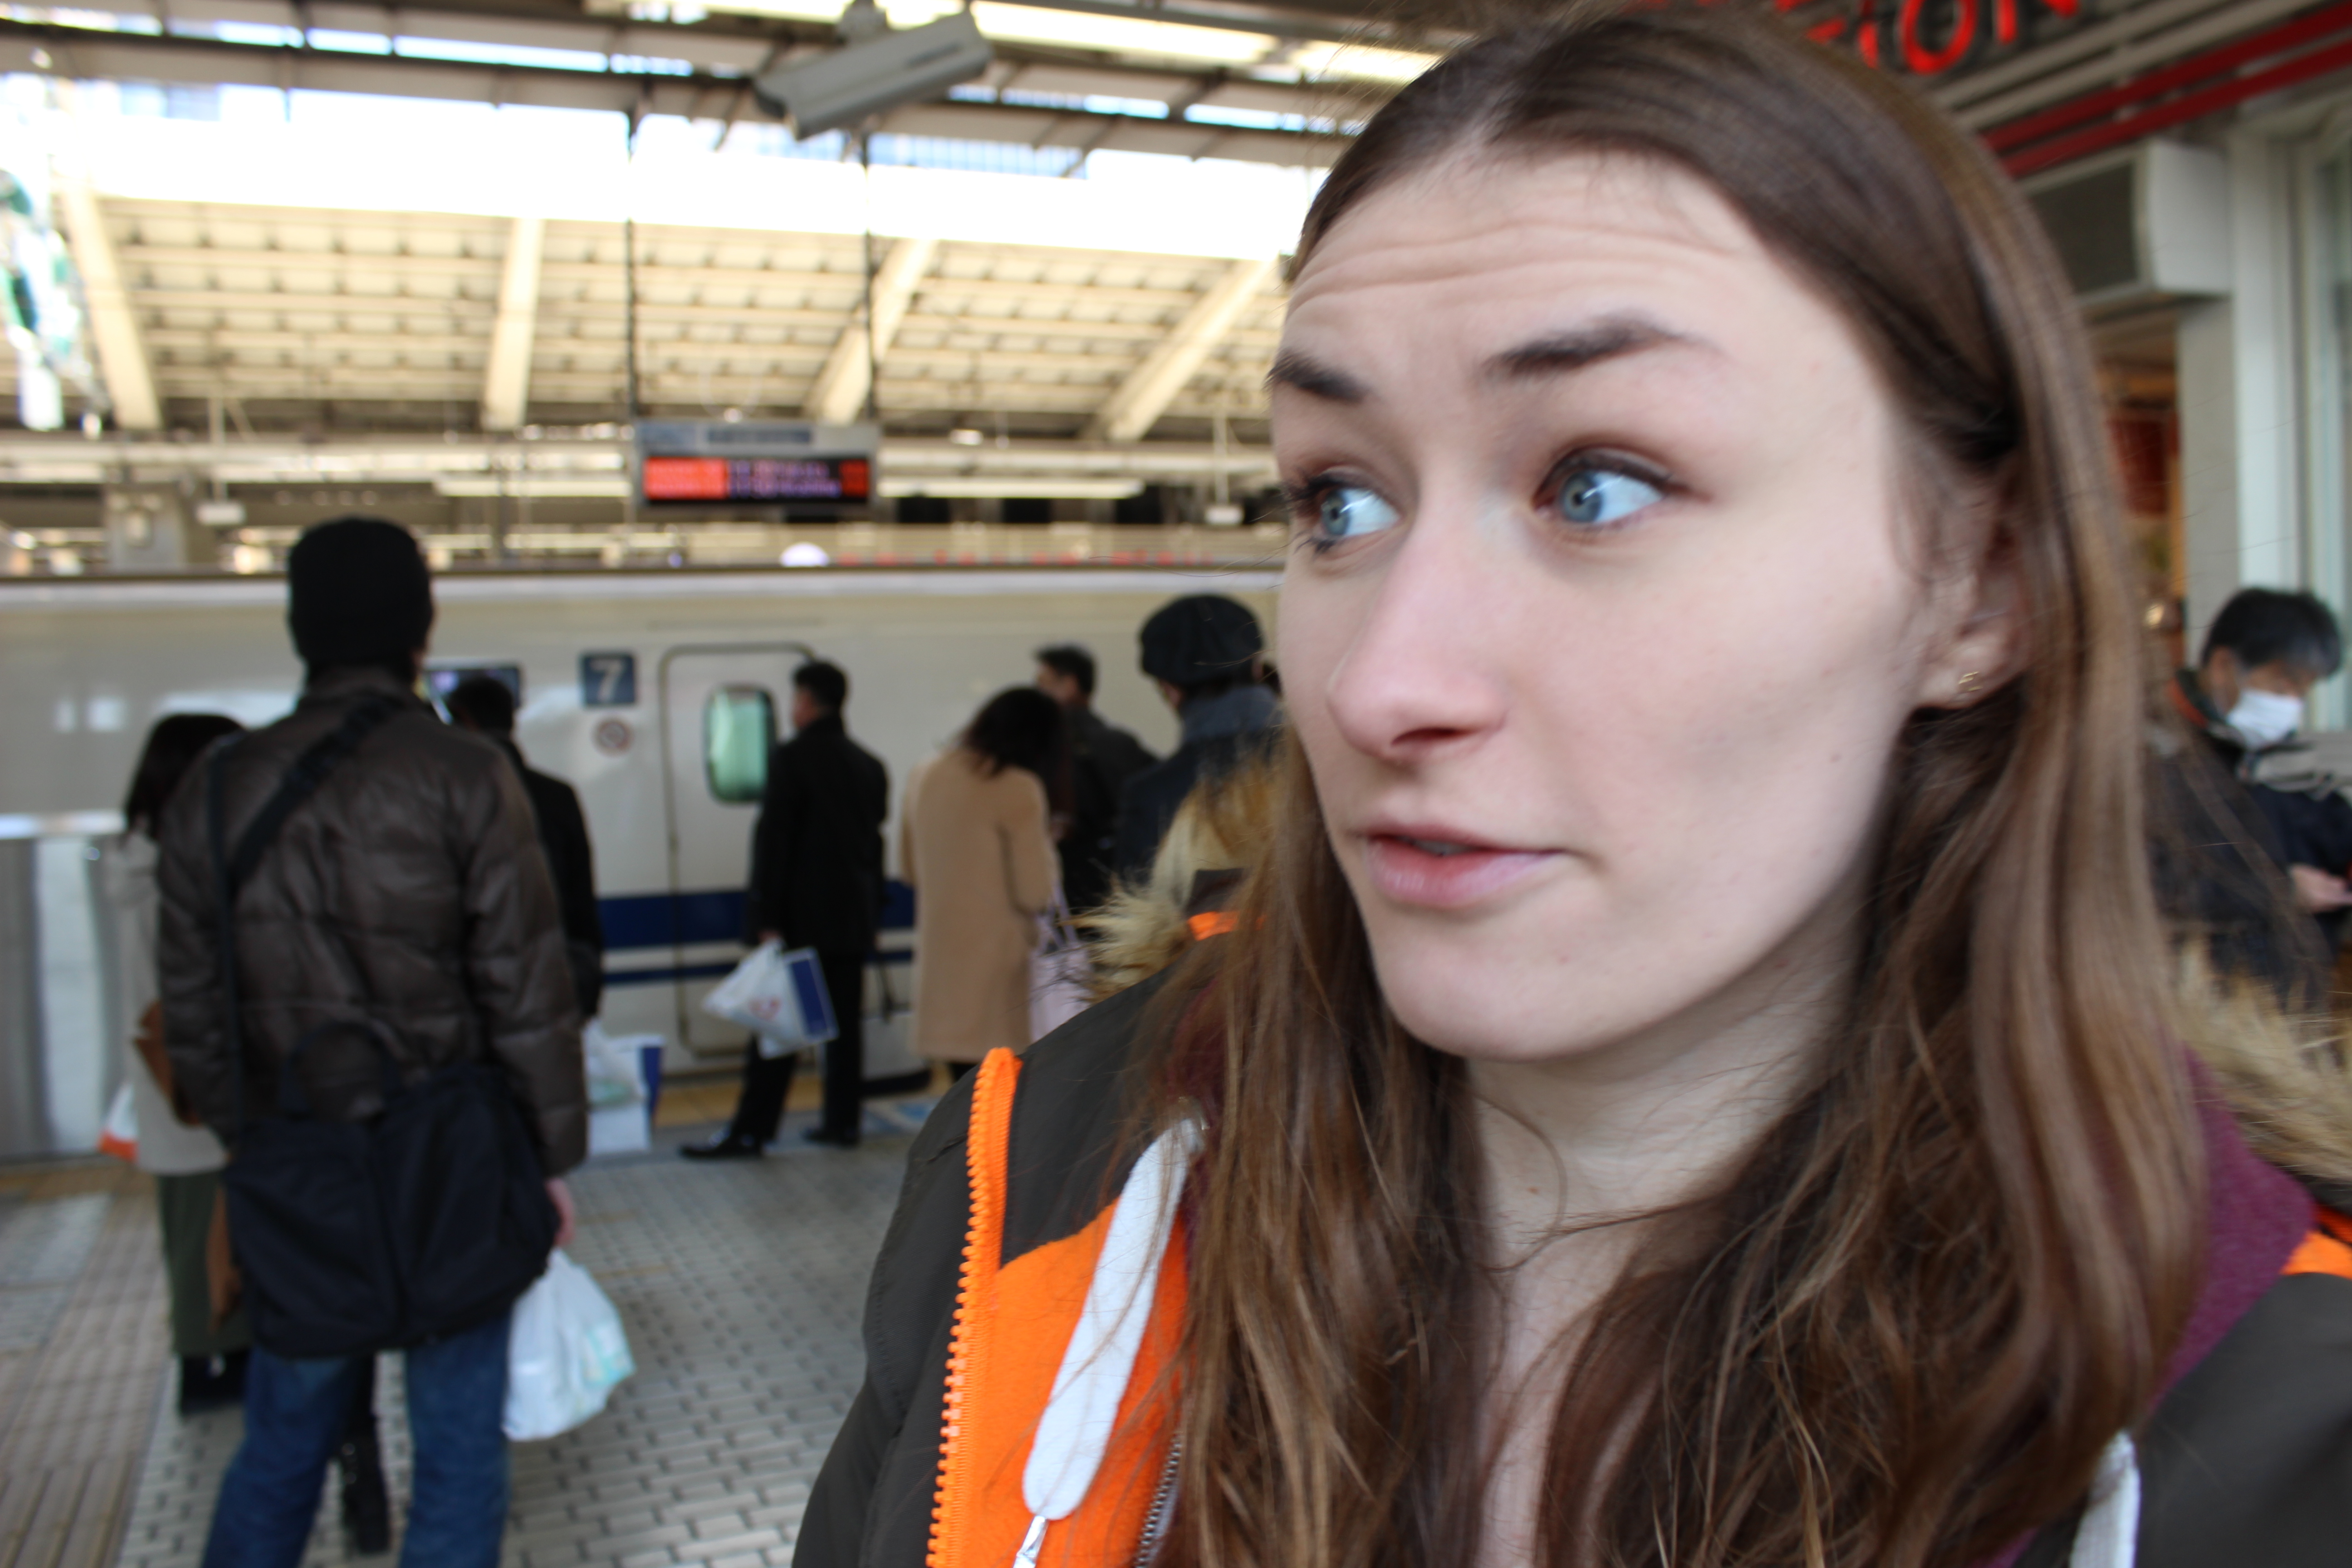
column 725, row 1146
column 830, row 1138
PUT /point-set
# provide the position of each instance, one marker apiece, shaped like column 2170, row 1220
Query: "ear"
column 1981, row 635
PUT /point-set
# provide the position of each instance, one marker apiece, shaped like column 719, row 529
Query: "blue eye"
column 1351, row 511
column 1592, row 497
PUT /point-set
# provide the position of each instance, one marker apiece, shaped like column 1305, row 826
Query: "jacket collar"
column 345, row 682
column 823, row 724
column 2255, row 1217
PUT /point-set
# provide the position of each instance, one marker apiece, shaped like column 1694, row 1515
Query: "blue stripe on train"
column 682, row 919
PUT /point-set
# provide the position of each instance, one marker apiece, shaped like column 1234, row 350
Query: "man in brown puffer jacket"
column 412, row 887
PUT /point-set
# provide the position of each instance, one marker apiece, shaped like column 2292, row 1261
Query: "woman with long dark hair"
column 174, row 1147
column 1699, row 1078
column 975, row 841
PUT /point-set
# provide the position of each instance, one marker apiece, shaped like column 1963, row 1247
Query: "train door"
column 723, row 709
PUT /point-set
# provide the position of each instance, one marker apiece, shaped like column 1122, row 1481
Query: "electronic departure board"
column 766, row 462
column 758, row 479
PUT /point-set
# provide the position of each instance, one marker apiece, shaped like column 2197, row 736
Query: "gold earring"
column 1970, row 682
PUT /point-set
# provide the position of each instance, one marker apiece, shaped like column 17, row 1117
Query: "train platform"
column 740, row 1285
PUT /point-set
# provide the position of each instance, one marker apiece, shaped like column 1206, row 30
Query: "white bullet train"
column 655, row 693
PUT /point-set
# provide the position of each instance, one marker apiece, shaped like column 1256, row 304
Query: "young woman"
column 1696, row 1079
column 174, row 1148
column 974, row 842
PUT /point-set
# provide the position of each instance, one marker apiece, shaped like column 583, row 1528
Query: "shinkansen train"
column 658, row 695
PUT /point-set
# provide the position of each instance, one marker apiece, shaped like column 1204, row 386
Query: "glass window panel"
column 738, row 731
column 2327, row 351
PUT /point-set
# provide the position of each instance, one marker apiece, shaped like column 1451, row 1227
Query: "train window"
column 738, row 731
column 441, row 679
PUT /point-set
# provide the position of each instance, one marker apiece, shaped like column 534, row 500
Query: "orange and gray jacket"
column 410, row 888
column 961, row 1448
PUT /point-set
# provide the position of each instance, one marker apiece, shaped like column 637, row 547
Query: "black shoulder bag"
column 353, row 1236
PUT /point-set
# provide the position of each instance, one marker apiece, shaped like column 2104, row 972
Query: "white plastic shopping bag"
column 779, row 996
column 619, row 1119
column 616, row 1074
column 565, row 1353
column 119, row 1135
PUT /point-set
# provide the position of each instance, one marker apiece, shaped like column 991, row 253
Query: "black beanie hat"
column 1204, row 637
column 357, row 592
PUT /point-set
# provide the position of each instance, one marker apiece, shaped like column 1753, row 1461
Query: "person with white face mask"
column 2263, row 654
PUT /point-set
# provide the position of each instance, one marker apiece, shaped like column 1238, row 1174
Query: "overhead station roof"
column 284, row 306
column 313, row 294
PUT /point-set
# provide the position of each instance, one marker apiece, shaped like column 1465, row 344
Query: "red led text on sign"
column 758, row 479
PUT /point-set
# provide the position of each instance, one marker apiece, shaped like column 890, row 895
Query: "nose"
column 1420, row 679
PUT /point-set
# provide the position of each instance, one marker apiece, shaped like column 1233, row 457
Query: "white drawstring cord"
column 1075, row 1430
column 2108, row 1536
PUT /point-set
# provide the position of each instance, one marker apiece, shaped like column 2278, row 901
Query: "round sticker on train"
column 614, row 737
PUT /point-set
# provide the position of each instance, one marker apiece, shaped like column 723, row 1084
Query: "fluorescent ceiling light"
column 574, row 486
column 1038, row 25
column 1078, row 29
column 1360, row 61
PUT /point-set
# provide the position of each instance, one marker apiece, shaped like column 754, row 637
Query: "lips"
column 1433, row 868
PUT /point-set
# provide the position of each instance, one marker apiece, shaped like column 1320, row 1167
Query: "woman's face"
column 1604, row 614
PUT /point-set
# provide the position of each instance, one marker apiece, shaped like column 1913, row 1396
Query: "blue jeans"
column 294, row 1413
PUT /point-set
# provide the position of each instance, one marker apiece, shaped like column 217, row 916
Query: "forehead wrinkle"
column 1625, row 198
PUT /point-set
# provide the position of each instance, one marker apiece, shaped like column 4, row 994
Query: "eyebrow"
column 1580, row 348
column 1315, row 378
column 1555, row 353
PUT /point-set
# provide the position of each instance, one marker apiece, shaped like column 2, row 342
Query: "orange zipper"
column 986, row 1147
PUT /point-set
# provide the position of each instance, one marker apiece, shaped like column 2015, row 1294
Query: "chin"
column 1476, row 1007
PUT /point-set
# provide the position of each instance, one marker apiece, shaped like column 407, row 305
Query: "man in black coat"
column 1206, row 654
column 483, row 704
column 817, row 882
column 1103, row 757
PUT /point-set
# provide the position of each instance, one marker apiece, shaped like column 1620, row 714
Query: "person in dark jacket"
column 486, row 705
column 409, row 888
column 1103, row 757
column 2234, row 853
column 817, row 882
column 1206, row 654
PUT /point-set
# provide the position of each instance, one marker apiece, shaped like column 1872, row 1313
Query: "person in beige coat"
column 975, row 842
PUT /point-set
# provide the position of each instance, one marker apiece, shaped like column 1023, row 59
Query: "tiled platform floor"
column 740, row 1285
column 82, row 1344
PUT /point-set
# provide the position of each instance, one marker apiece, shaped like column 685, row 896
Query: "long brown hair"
column 1901, row 1331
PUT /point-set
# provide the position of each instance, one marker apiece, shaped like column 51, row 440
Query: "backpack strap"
column 231, row 869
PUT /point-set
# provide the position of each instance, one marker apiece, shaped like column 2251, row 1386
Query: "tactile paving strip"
column 78, row 1382
column 741, row 1285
